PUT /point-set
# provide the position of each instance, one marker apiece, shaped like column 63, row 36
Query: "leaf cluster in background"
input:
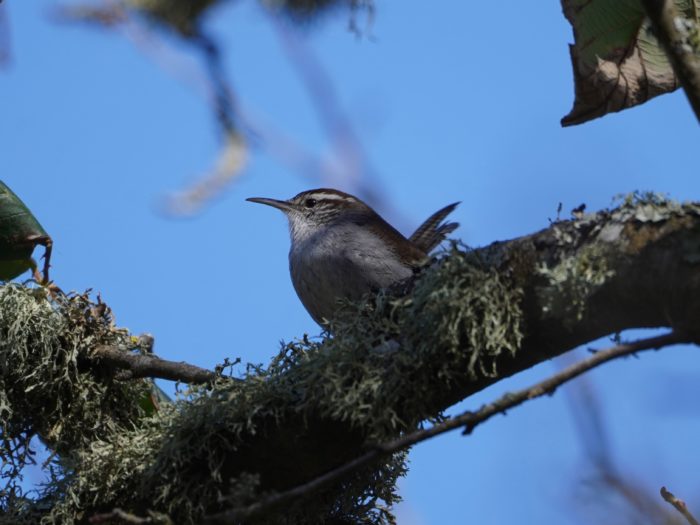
column 618, row 63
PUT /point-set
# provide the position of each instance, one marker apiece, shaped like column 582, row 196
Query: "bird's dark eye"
column 310, row 203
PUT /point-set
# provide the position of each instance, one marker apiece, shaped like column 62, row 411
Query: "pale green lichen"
column 379, row 376
column 45, row 388
column 583, row 267
column 650, row 207
column 647, row 207
column 571, row 282
column 456, row 322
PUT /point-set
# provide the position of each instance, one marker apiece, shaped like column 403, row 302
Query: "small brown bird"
column 342, row 248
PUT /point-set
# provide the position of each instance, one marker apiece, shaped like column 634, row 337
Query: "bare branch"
column 468, row 420
column 107, row 15
column 118, row 515
column 234, row 153
column 5, row 39
column 680, row 506
column 150, row 365
column 588, row 414
column 668, row 27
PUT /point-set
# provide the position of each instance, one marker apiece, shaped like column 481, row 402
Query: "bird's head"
column 311, row 210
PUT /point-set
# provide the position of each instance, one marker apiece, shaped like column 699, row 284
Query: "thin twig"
column 284, row 146
column 118, row 515
column 5, row 39
column 467, row 420
column 587, row 412
column 680, row 506
column 668, row 28
column 150, row 365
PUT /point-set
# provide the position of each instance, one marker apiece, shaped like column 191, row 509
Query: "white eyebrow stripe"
column 325, row 195
column 331, row 196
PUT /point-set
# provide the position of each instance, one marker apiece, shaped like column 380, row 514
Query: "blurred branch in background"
column 5, row 47
column 230, row 163
column 618, row 494
column 303, row 11
column 352, row 165
column 243, row 128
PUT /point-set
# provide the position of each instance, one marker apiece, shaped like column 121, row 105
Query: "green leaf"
column 20, row 233
column 618, row 63
column 151, row 402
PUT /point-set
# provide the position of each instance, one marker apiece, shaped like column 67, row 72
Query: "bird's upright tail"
column 432, row 232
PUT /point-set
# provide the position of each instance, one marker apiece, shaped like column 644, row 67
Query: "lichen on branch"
column 45, row 388
column 395, row 361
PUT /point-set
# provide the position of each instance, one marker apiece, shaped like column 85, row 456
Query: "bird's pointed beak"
column 280, row 205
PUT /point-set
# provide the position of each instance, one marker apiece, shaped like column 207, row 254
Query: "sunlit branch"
column 150, row 365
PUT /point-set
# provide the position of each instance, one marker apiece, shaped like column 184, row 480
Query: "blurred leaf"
column 5, row 51
column 304, row 8
column 20, row 232
column 229, row 165
column 303, row 11
column 183, row 17
column 617, row 61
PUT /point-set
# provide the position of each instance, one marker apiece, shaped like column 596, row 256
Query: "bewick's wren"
column 342, row 248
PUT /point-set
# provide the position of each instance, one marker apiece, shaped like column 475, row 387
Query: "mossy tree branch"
column 600, row 274
column 633, row 267
column 149, row 365
column 471, row 319
column 467, row 420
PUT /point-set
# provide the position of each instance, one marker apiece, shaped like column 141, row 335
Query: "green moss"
column 381, row 369
column 379, row 375
column 571, row 282
column 591, row 245
column 45, row 388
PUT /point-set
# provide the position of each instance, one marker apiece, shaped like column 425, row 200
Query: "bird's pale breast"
column 341, row 262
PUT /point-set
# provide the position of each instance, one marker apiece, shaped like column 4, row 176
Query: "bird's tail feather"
column 431, row 232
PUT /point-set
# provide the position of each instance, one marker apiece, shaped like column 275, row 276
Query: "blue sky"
column 457, row 102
